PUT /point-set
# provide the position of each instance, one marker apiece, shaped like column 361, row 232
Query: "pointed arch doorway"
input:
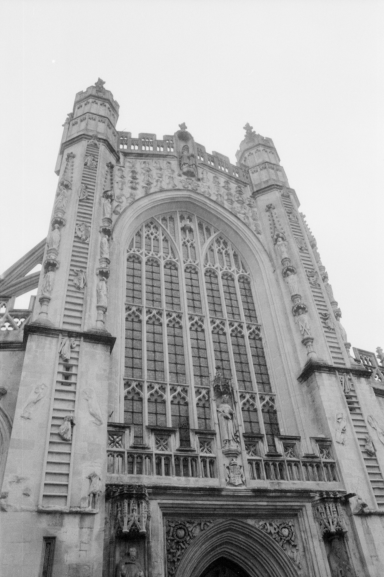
column 224, row 568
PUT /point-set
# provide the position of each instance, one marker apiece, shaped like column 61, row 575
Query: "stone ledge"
column 321, row 367
column 70, row 510
column 55, row 332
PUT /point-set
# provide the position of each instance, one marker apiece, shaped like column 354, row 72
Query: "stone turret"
column 95, row 113
column 260, row 156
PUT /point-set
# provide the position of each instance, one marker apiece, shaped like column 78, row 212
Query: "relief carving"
column 284, row 534
column 341, row 429
column 93, row 406
column 235, row 474
column 36, row 395
column 375, row 425
column 179, row 535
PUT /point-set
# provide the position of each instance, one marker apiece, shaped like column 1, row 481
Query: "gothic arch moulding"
column 253, row 551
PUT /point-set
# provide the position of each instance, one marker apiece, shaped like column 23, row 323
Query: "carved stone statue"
column 338, row 559
column 53, row 241
column 80, row 278
column 90, row 161
column 48, row 279
column 104, row 247
column 102, row 292
column 226, row 421
column 341, row 429
column 129, row 565
column 369, row 446
column 281, row 246
column 291, row 278
column 94, row 491
column 342, row 329
column 65, row 348
column 37, row 394
column 380, row 355
column 187, row 162
column 83, row 231
column 65, row 429
column 254, row 215
column 61, row 197
column 83, row 192
column 107, row 205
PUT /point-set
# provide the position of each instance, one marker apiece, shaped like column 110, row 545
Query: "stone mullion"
column 144, row 334
column 185, row 324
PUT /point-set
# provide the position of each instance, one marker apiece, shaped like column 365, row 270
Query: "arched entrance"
column 224, row 568
column 234, row 545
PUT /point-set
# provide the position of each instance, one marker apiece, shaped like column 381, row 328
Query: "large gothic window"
column 190, row 309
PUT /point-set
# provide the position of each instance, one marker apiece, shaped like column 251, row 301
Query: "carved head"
column 132, row 552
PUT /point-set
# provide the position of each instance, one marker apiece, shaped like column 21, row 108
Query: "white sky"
column 308, row 74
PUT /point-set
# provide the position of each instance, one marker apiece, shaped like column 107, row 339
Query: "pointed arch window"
column 190, row 308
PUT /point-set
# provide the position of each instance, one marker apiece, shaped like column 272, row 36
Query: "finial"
column 183, row 126
column 249, row 130
column 100, row 85
column 380, row 355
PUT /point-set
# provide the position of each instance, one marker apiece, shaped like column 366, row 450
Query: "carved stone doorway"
column 224, row 568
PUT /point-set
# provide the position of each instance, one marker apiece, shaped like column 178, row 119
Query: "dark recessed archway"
column 224, row 568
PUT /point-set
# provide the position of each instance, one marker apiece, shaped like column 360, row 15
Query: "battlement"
column 148, row 143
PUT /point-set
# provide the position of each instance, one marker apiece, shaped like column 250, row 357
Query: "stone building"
column 180, row 399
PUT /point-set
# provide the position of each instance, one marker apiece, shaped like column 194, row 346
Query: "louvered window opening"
column 189, row 309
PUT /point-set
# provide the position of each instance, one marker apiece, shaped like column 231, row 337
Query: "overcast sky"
column 308, row 74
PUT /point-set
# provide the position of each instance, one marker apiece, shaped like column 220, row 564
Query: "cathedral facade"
column 181, row 399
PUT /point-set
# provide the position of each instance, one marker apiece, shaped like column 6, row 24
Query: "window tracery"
column 192, row 289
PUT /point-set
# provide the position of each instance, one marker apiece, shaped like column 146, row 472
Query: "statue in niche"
column 80, row 278
column 102, row 292
column 104, row 246
column 129, row 565
column 93, row 406
column 281, row 246
column 187, row 162
column 48, row 279
column 229, row 437
column 65, row 429
column 62, row 197
column 107, row 204
column 65, row 348
column 369, row 447
column 37, row 394
column 341, row 429
column 53, row 241
column 94, row 491
column 291, row 278
column 338, row 558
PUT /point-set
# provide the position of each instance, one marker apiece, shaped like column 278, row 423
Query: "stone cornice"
column 54, row 332
column 313, row 367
